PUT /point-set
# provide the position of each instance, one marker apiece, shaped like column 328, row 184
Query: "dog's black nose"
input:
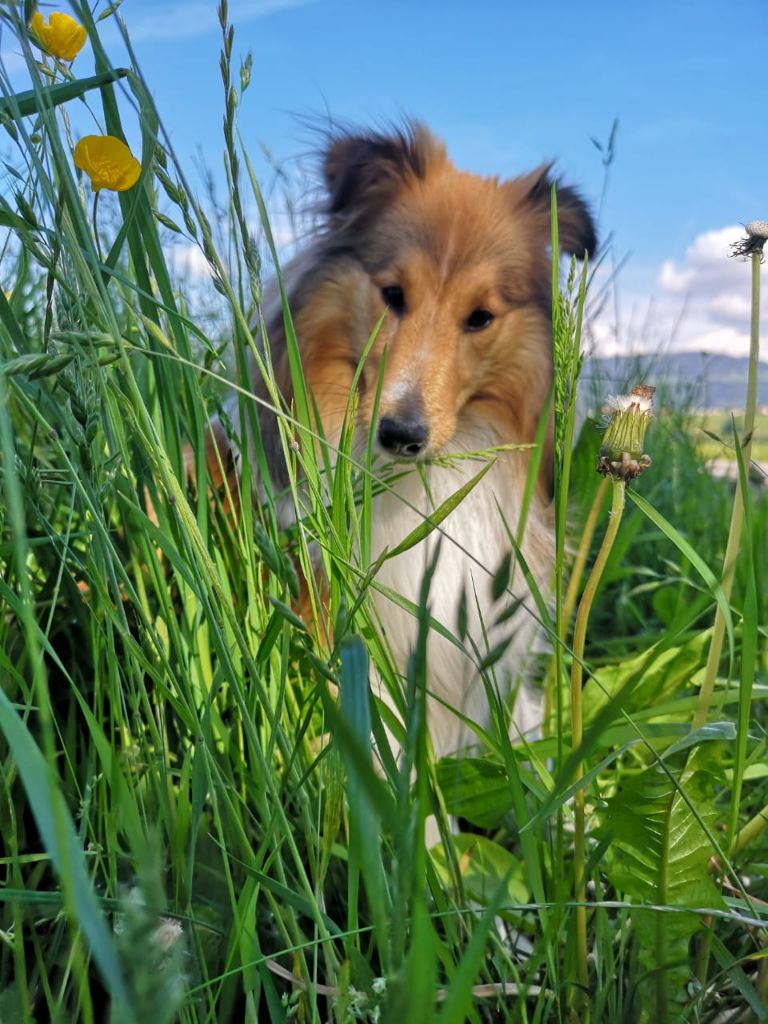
column 405, row 437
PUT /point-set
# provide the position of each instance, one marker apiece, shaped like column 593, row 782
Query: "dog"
column 455, row 269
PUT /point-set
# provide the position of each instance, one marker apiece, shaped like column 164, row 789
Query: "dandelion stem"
column 574, row 585
column 580, row 561
column 737, row 514
column 754, row 827
column 577, row 673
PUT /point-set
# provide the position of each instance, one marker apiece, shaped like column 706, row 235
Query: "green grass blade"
column 26, row 104
column 61, row 842
column 693, row 557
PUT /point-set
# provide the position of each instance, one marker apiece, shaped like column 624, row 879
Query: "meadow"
column 192, row 828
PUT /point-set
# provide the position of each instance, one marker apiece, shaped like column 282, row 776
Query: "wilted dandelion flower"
column 757, row 236
column 108, row 162
column 621, row 453
column 62, row 36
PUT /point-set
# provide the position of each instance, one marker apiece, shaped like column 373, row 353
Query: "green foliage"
column 203, row 815
column 659, row 829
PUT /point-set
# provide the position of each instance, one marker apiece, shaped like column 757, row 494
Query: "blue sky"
column 508, row 84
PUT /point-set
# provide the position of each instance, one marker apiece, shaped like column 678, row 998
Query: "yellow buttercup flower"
column 108, row 162
column 62, row 36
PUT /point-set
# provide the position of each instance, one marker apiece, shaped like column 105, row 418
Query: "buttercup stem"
column 95, row 226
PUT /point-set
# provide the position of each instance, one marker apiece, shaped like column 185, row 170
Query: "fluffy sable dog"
column 459, row 268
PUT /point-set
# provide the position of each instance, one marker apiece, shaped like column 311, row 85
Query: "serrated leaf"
column 659, row 854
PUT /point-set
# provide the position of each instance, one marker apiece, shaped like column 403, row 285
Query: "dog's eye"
column 394, row 297
column 478, row 320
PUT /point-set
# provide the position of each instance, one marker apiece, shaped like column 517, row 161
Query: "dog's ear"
column 364, row 173
column 575, row 226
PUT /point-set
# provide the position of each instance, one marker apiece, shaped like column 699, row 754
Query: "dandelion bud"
column 621, row 453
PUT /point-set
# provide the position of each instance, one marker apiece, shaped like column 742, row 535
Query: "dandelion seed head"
column 756, row 237
column 624, row 403
column 758, row 229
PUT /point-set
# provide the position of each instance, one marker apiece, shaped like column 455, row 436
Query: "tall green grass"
column 192, row 827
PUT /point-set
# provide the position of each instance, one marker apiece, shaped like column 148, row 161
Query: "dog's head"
column 460, row 266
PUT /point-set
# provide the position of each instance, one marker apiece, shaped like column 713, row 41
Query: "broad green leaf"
column 475, row 788
column 484, row 866
column 672, row 671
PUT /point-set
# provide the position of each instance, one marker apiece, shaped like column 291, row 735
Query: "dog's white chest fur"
column 474, row 542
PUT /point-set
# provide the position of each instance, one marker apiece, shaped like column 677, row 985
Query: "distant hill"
column 700, row 380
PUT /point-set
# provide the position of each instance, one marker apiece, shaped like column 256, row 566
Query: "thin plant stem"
column 577, row 674
column 734, row 842
column 96, row 195
column 574, row 585
column 754, row 827
column 582, row 553
column 737, row 513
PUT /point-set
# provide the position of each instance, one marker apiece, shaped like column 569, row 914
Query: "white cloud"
column 187, row 261
column 673, row 280
column 698, row 304
column 289, row 225
column 178, row 20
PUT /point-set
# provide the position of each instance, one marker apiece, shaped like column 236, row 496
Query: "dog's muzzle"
column 404, row 438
